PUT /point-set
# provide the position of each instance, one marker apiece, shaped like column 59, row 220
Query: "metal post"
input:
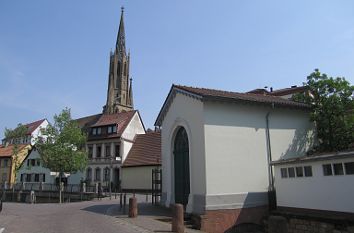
column 121, row 200
column 110, row 178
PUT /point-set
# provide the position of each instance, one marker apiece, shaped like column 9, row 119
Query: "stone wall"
column 308, row 225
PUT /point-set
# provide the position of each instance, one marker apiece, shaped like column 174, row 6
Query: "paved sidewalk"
column 150, row 218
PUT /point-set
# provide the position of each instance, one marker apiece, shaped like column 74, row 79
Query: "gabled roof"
column 205, row 94
column 288, row 91
column 316, row 157
column 8, row 150
column 86, row 122
column 33, row 126
column 146, row 151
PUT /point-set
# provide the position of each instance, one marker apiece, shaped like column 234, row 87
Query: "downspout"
column 271, row 189
column 269, row 154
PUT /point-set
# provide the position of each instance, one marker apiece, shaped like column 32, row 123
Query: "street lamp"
column 110, row 178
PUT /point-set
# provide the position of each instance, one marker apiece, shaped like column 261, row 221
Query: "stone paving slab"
column 150, row 218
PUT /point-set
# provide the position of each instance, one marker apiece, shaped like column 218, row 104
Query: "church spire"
column 119, row 92
column 120, row 44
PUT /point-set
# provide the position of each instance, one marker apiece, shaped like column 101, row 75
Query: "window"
column 5, row 162
column 38, row 162
column 327, row 169
column 33, row 162
column 94, row 131
column 108, row 150
column 114, row 129
column 349, row 168
column 291, row 172
column 90, row 152
column 36, row 178
column 98, row 151
column 308, row 171
column 284, row 172
column 89, row 174
column 21, row 179
column 28, row 177
column 43, row 178
column 299, row 172
column 106, row 174
column 97, row 174
column 338, row 169
column 117, row 151
column 4, row 177
column 98, row 131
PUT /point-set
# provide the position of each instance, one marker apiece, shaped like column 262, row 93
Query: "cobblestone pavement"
column 88, row 217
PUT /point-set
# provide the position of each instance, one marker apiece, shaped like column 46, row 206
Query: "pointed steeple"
column 119, row 93
column 131, row 93
column 120, row 44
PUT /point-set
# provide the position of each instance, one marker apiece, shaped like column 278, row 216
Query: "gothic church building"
column 111, row 134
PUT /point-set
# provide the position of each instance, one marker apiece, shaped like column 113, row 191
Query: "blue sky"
column 54, row 54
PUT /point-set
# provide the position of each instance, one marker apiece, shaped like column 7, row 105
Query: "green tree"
column 14, row 136
column 61, row 146
column 332, row 110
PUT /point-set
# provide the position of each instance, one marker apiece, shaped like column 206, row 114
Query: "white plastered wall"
column 188, row 113
column 319, row 192
column 137, row 177
column 236, row 150
column 134, row 127
column 24, row 169
column 37, row 132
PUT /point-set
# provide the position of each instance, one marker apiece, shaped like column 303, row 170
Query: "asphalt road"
column 82, row 217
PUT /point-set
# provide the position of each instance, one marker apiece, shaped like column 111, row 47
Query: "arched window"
column 89, row 174
column 97, row 174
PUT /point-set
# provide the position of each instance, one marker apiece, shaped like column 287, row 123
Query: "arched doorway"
column 181, row 167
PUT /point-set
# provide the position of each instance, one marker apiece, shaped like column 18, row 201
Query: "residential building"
column 217, row 147
column 8, row 161
column 111, row 133
column 109, row 140
column 142, row 159
column 33, row 132
column 33, row 171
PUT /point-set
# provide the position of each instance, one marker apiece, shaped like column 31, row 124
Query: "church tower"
column 120, row 92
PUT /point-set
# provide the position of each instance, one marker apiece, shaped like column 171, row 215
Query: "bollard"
column 19, row 196
column 0, row 204
column 124, row 202
column 32, row 197
column 178, row 219
column 121, row 200
column 133, row 207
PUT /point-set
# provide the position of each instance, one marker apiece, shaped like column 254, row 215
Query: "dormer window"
column 112, row 129
column 94, row 131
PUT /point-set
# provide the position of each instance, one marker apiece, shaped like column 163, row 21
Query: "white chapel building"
column 217, row 147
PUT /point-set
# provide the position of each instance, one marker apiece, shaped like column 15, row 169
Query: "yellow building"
column 8, row 161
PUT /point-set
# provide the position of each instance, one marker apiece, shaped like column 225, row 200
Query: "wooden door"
column 181, row 167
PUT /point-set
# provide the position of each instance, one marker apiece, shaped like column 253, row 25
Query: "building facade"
column 306, row 184
column 217, row 147
column 120, row 91
column 111, row 134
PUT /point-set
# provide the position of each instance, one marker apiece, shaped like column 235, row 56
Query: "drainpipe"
column 271, row 189
column 269, row 154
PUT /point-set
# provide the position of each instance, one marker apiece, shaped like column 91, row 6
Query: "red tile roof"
column 290, row 90
column 33, row 126
column 213, row 94
column 87, row 121
column 146, row 151
column 116, row 118
column 8, row 150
